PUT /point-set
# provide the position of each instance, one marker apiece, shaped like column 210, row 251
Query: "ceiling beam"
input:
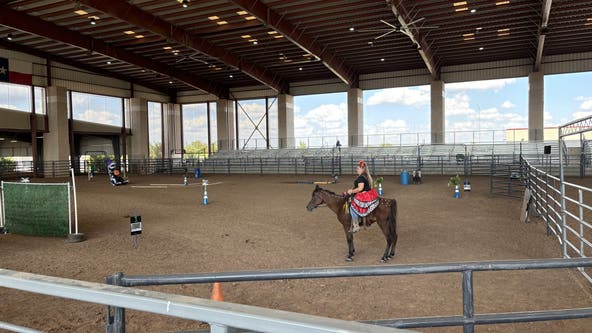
column 31, row 24
column 70, row 62
column 131, row 14
column 297, row 36
column 423, row 47
column 542, row 33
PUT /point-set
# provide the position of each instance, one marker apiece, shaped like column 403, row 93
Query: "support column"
column 225, row 123
column 56, row 144
column 536, row 106
column 355, row 117
column 286, row 121
column 138, row 113
column 437, row 91
column 172, row 128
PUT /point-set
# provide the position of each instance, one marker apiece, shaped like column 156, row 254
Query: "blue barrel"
column 197, row 172
column 404, row 178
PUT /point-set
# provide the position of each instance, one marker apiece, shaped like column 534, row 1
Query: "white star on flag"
column 3, row 70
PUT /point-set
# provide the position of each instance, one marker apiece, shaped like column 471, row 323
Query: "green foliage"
column 386, row 145
column 196, row 147
column 301, row 145
column 7, row 164
column 97, row 163
column 378, row 181
column 199, row 149
column 155, row 150
column 453, row 181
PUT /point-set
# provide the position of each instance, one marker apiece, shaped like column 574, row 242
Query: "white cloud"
column 102, row 117
column 585, row 107
column 587, row 104
column 458, row 105
column 508, row 105
column 416, row 96
column 488, row 119
column 480, row 85
column 327, row 120
column 389, row 126
column 581, row 114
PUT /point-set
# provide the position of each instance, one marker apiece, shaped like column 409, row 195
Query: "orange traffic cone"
column 217, row 294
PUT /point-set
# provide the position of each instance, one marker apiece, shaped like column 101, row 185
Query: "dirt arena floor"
column 260, row 222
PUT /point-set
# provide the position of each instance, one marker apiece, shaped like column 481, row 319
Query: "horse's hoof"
column 348, row 259
column 382, row 260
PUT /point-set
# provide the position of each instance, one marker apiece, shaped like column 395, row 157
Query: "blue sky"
column 390, row 115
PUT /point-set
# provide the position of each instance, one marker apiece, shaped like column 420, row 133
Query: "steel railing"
column 574, row 233
column 221, row 316
column 468, row 319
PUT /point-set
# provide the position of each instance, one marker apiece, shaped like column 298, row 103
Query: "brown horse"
column 385, row 215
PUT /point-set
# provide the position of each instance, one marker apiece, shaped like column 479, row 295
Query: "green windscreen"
column 36, row 209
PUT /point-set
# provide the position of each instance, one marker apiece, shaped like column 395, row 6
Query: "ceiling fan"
column 192, row 57
column 394, row 28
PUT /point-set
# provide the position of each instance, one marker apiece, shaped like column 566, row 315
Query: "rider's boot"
column 355, row 226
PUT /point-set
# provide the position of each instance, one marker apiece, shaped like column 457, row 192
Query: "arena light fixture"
column 481, row 48
column 9, row 36
column 81, row 12
column 250, row 18
column 500, row 3
column 213, row 18
column 473, row 10
column 129, row 32
column 241, row 13
column 139, row 36
column 185, row 3
column 93, row 21
column 222, row 22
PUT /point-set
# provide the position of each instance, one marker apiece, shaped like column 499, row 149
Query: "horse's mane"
column 330, row 192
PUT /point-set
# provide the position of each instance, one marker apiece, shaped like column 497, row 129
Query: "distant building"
column 550, row 133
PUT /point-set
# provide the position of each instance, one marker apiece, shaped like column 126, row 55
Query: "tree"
column 156, row 150
column 301, row 145
column 196, row 147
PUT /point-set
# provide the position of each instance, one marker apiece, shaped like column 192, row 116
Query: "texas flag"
column 16, row 71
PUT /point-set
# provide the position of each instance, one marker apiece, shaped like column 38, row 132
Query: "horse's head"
column 316, row 199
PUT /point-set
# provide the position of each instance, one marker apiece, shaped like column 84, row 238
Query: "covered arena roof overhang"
column 218, row 45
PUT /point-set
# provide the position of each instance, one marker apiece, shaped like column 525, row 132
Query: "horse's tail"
column 393, row 216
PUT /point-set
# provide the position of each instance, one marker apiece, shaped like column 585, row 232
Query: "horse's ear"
column 317, row 187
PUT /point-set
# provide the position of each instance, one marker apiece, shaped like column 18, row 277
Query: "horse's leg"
column 350, row 244
column 393, row 226
column 387, row 235
column 394, row 244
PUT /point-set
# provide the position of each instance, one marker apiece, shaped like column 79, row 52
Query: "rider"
column 365, row 198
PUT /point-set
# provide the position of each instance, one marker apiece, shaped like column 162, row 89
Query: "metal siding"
column 152, row 97
column 567, row 63
column 487, row 70
column 68, row 73
column 90, row 88
column 252, row 92
column 194, row 96
column 416, row 77
column 317, row 87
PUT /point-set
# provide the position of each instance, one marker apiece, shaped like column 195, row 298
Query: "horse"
column 385, row 215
